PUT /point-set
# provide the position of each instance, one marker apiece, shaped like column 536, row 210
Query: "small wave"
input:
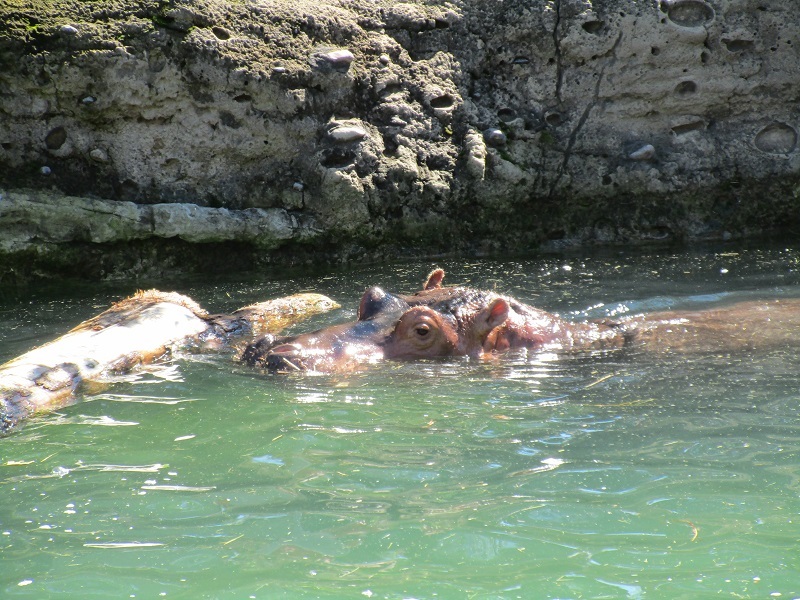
column 118, row 545
column 178, row 488
column 142, row 399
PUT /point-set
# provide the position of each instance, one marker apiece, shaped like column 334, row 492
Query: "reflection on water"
column 530, row 476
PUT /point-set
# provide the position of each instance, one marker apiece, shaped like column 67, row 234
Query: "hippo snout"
column 285, row 358
column 278, row 355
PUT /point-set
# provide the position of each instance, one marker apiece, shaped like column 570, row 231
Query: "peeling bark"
column 138, row 330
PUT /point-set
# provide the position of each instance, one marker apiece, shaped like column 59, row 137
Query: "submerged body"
column 751, row 325
column 460, row 321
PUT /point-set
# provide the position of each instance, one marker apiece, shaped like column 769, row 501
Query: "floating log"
column 137, row 330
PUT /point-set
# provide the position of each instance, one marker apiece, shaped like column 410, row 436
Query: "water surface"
column 616, row 476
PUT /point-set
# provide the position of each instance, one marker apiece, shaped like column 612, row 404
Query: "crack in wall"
column 573, row 136
column 557, row 46
column 108, row 212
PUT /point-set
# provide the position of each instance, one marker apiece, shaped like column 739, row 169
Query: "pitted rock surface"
column 419, row 126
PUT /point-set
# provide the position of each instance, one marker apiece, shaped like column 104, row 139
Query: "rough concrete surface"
column 333, row 129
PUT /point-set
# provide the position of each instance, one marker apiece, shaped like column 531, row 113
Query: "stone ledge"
column 29, row 218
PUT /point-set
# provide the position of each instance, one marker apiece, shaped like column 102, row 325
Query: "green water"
column 527, row 477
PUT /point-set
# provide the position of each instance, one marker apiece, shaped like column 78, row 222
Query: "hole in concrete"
column 438, row 162
column 390, row 146
column 684, row 88
column 56, row 138
column 689, row 127
column 506, row 115
column 689, row 13
column 655, row 51
column 592, row 26
column 338, row 158
column 444, row 101
column 243, row 98
column 739, row 45
column 776, row 138
column 220, row 33
column 553, row 118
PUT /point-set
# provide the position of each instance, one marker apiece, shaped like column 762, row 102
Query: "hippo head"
column 435, row 322
column 335, row 348
column 429, row 331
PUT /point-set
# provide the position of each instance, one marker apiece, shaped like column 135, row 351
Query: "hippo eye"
column 422, row 330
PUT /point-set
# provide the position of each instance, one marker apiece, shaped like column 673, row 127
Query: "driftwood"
column 134, row 331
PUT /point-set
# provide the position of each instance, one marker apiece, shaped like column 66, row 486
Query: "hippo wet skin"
column 441, row 321
column 434, row 322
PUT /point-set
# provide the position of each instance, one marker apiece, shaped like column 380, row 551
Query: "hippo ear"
column 496, row 313
column 434, row 280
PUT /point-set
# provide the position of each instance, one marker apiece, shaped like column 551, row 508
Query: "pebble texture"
column 463, row 125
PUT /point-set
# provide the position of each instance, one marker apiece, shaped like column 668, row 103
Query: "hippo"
column 435, row 322
column 440, row 321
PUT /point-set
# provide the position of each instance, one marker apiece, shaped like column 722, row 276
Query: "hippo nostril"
column 284, row 358
column 254, row 353
column 285, row 350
